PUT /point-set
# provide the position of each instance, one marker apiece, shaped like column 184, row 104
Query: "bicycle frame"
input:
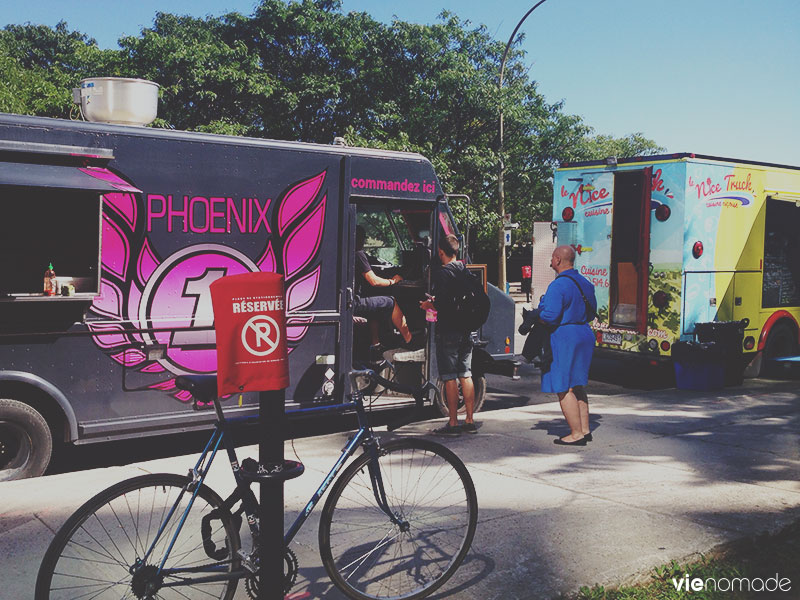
column 219, row 437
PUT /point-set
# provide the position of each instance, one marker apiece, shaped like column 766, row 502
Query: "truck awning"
column 785, row 196
column 57, row 176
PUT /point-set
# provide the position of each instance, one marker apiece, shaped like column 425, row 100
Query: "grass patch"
column 761, row 557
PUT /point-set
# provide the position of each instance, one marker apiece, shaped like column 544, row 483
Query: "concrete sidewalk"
column 670, row 474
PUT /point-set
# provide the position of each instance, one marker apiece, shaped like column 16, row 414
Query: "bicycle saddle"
column 202, row 387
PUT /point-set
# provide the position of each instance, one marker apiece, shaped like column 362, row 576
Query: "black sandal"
column 448, row 430
column 560, row 442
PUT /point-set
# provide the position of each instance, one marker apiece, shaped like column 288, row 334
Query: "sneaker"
column 469, row 428
column 375, row 353
column 448, row 430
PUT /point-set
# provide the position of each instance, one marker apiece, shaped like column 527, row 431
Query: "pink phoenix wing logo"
column 148, row 300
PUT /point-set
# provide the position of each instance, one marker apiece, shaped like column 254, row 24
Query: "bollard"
column 250, row 324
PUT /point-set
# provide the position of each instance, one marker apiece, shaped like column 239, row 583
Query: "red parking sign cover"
column 250, row 322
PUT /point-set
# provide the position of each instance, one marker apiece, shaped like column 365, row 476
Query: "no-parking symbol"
column 261, row 335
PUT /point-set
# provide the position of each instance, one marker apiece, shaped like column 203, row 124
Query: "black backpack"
column 470, row 303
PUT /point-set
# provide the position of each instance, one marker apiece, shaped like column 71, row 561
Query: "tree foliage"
column 306, row 71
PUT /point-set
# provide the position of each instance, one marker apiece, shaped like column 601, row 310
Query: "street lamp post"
column 501, row 209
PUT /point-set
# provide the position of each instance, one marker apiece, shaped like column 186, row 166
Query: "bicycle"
column 397, row 523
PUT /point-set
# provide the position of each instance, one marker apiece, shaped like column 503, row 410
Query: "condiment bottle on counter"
column 50, row 281
column 430, row 313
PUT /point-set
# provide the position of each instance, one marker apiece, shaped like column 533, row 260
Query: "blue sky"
column 719, row 77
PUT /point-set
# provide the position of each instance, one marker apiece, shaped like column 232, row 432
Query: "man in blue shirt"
column 568, row 306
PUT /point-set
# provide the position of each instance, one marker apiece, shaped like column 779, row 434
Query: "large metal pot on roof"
column 120, row 100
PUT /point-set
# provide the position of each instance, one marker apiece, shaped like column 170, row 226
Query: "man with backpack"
column 462, row 307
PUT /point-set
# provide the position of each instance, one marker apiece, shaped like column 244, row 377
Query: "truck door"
column 395, row 241
column 630, row 250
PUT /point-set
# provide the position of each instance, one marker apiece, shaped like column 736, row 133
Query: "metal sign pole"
column 270, row 452
column 250, row 324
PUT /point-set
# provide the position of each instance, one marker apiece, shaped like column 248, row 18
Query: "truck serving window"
column 781, row 255
column 52, row 215
column 47, row 226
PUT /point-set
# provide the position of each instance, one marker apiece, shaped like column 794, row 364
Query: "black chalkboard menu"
column 781, row 283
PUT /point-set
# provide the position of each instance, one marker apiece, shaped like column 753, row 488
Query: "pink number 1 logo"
column 177, row 296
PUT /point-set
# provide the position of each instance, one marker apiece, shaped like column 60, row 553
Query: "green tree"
column 635, row 144
column 209, row 81
column 40, row 66
column 25, row 91
column 305, row 71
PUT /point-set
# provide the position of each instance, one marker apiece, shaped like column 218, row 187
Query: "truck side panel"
column 205, row 211
column 724, row 213
column 723, row 247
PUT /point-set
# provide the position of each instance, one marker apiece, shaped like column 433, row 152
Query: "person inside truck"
column 377, row 309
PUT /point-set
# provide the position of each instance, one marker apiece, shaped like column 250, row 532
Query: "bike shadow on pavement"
column 313, row 582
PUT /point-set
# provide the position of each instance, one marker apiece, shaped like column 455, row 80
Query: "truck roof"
column 668, row 157
column 171, row 134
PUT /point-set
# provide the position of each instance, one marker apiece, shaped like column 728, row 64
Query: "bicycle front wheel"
column 100, row 551
column 370, row 556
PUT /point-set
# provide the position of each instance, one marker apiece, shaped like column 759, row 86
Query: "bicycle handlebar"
column 419, row 394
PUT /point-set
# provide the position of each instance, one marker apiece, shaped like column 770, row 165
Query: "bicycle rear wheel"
column 367, row 555
column 93, row 553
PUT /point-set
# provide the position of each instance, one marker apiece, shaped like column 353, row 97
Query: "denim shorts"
column 373, row 306
column 454, row 355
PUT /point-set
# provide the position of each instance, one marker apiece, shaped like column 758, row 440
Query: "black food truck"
column 112, row 234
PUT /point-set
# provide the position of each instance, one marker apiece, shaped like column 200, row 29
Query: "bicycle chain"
column 290, row 565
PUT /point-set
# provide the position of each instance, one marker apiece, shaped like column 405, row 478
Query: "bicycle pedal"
column 247, row 561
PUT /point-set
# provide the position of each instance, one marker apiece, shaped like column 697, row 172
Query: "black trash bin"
column 729, row 335
column 698, row 366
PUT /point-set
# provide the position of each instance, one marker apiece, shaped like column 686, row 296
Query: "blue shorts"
column 373, row 306
column 454, row 355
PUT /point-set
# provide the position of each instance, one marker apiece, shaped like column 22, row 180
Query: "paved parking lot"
column 671, row 473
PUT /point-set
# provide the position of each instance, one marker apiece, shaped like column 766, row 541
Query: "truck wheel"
column 26, row 443
column 480, row 396
column 782, row 341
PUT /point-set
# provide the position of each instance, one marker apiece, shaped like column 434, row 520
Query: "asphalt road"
column 607, row 378
column 502, row 392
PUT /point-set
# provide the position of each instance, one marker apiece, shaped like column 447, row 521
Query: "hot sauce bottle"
column 50, row 281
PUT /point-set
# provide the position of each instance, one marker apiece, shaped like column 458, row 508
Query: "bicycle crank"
column 290, row 568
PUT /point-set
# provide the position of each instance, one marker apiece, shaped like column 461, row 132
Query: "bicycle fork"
column 378, row 489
